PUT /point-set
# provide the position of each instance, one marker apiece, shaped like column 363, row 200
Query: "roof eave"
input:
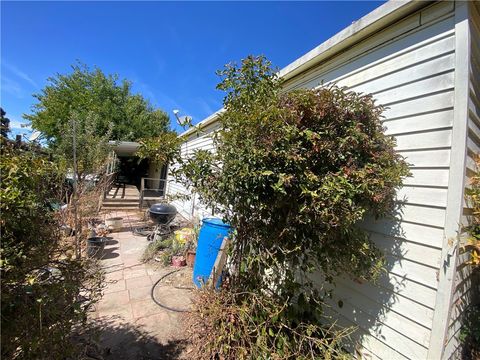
column 377, row 19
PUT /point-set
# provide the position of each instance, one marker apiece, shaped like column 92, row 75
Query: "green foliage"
column 161, row 149
column 29, row 183
column 45, row 293
column 298, row 172
column 470, row 331
column 92, row 148
column 473, row 228
column 164, row 249
column 4, row 123
column 295, row 173
column 155, row 247
column 90, row 91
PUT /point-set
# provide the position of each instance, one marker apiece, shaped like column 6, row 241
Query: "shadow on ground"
column 114, row 339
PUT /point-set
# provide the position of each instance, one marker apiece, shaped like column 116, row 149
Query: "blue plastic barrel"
column 210, row 239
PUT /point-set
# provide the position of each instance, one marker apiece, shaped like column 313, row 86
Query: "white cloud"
column 19, row 73
column 16, row 124
column 11, row 87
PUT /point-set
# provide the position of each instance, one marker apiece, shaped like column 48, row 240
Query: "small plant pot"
column 178, row 261
column 95, row 247
column 190, row 258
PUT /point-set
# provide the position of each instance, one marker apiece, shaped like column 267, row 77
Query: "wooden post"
column 78, row 250
column 220, row 262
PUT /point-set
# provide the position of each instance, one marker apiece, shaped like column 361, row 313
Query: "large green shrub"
column 294, row 173
column 299, row 171
column 45, row 293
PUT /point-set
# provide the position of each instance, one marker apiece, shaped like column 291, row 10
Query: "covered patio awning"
column 124, row 148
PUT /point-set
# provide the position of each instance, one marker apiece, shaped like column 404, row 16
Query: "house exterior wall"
column 409, row 67
column 186, row 202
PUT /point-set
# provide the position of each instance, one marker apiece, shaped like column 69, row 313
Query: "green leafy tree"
column 90, row 91
column 5, row 123
column 161, row 149
column 294, row 173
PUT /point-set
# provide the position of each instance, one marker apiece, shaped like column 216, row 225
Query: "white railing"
column 152, row 189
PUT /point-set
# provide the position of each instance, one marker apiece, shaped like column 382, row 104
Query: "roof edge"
column 377, row 19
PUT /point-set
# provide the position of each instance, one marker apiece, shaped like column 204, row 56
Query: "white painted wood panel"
column 425, row 140
column 415, row 89
column 354, row 301
column 422, row 215
column 384, row 341
column 372, row 344
column 363, row 57
column 437, row 52
column 420, row 233
column 408, row 250
column 428, row 177
column 423, row 196
column 421, row 105
column 423, row 122
column 397, row 300
column 413, row 271
column 427, row 158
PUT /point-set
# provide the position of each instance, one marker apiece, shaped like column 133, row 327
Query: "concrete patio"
column 132, row 325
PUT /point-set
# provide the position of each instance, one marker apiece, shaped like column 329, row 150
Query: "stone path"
column 132, row 325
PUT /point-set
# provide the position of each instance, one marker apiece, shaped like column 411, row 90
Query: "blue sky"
column 169, row 50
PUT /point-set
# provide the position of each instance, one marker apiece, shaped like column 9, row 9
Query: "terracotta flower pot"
column 178, row 261
column 191, row 258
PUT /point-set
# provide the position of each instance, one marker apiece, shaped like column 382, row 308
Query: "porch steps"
column 122, row 197
column 116, row 204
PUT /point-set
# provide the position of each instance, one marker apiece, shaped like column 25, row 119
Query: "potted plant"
column 192, row 247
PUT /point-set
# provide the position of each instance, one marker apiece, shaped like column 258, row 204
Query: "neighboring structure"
column 422, row 61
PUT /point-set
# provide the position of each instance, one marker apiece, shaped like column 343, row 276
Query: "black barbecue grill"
column 162, row 215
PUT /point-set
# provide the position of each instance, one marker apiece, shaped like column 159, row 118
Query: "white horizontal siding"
column 418, row 123
column 191, row 207
column 413, row 76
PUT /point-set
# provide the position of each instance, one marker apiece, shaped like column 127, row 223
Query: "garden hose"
column 159, row 303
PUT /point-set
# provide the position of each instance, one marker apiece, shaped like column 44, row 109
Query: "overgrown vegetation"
column 81, row 137
column 473, row 228
column 470, row 332
column 255, row 326
column 164, row 249
column 157, row 248
column 294, row 173
column 46, row 293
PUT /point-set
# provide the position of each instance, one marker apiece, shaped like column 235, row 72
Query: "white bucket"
column 115, row 223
